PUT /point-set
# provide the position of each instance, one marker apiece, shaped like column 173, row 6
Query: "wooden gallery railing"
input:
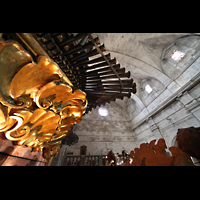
column 88, row 160
column 83, row 160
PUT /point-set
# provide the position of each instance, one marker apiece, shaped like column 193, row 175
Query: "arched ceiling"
column 139, row 53
column 144, row 47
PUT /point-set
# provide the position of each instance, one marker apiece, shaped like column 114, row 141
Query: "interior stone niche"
column 190, row 46
column 157, row 88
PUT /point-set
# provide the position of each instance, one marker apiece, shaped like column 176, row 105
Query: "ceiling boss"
column 38, row 103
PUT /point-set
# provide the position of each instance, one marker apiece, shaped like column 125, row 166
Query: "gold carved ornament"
column 38, row 104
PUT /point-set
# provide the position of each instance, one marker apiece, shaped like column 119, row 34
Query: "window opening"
column 148, row 88
column 177, row 55
column 103, row 112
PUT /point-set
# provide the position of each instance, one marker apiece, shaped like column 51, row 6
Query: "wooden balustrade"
column 88, row 160
column 83, row 160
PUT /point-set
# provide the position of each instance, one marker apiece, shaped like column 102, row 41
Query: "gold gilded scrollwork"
column 38, row 104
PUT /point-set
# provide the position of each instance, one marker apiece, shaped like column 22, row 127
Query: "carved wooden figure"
column 151, row 154
column 188, row 140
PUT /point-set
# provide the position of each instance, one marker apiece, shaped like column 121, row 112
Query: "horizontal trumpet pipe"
column 125, row 82
column 87, row 61
column 102, row 64
column 133, row 85
column 124, row 75
column 79, row 47
column 110, row 72
column 83, row 40
column 98, row 94
column 84, row 55
column 72, row 38
column 105, row 69
column 115, row 89
column 94, row 83
column 100, row 59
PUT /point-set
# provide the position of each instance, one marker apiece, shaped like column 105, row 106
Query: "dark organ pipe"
column 87, row 61
column 103, row 64
column 72, row 38
column 110, row 72
column 78, row 47
column 125, row 75
column 108, row 94
column 125, row 82
column 84, row 55
column 105, row 69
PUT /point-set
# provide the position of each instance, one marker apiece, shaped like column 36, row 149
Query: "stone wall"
column 183, row 112
column 101, row 134
column 114, row 132
column 177, row 104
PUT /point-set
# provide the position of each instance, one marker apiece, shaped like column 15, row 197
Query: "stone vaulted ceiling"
column 139, row 53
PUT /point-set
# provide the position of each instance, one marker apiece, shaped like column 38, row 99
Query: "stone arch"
column 139, row 68
column 190, row 46
column 138, row 100
column 133, row 108
column 156, row 86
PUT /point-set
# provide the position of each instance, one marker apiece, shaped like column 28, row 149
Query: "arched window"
column 179, row 55
column 150, row 89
